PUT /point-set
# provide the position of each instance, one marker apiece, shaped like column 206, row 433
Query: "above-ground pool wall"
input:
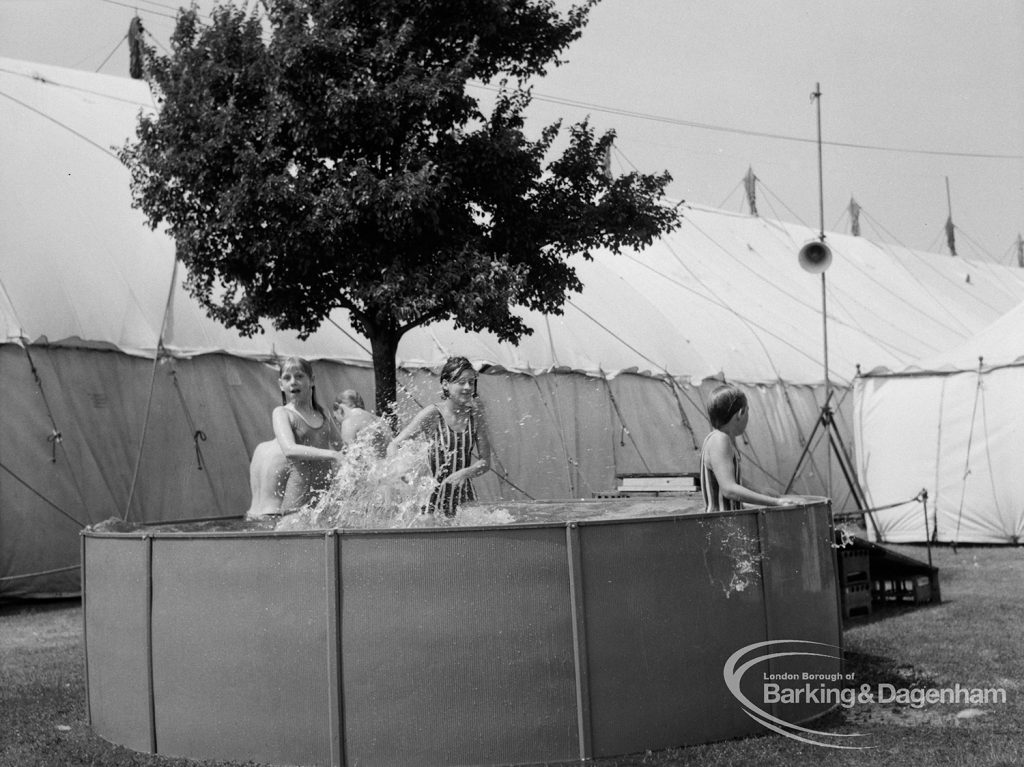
column 213, row 646
column 666, row 602
column 458, row 649
column 451, row 646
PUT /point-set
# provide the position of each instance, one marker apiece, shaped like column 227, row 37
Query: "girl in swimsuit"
column 307, row 436
column 456, row 427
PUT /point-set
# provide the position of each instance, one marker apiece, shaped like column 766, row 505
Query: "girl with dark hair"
column 308, row 437
column 720, row 478
column 456, row 427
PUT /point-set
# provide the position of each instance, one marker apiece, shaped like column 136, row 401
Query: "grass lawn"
column 972, row 639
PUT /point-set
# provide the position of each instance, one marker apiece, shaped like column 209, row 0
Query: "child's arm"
column 417, row 426
column 483, row 447
column 720, row 451
column 286, row 440
column 348, row 431
column 483, row 443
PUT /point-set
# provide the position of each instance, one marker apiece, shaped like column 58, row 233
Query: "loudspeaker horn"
column 815, row 257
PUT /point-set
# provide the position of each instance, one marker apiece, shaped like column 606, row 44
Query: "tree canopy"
column 326, row 154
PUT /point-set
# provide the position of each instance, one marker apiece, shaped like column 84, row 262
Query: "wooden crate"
column 855, row 582
column 856, row 599
column 914, row 589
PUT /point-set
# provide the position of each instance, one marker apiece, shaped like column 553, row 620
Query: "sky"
column 922, row 105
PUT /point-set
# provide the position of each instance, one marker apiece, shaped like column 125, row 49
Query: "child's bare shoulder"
column 283, row 411
column 717, row 437
column 719, row 441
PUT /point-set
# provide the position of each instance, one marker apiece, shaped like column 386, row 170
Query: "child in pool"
column 720, row 481
column 455, row 427
column 268, row 474
column 358, row 423
column 307, row 436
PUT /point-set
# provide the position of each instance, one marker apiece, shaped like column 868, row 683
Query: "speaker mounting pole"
column 821, row 237
column 816, row 257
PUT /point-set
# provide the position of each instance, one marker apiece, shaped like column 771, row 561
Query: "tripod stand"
column 826, row 421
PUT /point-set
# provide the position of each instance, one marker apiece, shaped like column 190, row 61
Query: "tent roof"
column 722, row 295
column 998, row 344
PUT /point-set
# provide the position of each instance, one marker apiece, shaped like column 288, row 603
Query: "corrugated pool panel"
column 660, row 596
column 800, row 594
column 240, row 645
column 116, row 624
column 457, row 648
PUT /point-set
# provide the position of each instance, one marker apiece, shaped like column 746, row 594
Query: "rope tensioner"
column 198, row 436
column 55, row 438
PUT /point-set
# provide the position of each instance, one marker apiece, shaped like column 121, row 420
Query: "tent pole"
column 152, row 384
column 142, row 438
column 924, row 506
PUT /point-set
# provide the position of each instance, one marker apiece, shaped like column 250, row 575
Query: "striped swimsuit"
column 709, row 488
column 450, row 451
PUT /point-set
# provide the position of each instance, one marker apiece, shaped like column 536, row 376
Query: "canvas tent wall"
column 124, row 399
column 951, row 425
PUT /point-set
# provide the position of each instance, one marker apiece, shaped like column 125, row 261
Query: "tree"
column 326, row 154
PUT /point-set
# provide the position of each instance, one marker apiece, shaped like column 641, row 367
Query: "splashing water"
column 742, row 550
column 370, row 491
column 746, row 555
column 844, row 536
column 373, row 491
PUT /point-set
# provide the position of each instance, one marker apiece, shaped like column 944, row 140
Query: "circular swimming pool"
column 600, row 634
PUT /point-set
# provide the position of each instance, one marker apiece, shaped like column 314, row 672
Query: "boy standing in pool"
column 720, row 479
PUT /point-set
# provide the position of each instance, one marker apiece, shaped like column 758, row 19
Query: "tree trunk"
column 384, row 347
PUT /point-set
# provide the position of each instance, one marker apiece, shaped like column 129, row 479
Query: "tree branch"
column 426, row 319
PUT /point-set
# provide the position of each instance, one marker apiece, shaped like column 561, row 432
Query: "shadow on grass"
column 875, row 670
column 37, row 606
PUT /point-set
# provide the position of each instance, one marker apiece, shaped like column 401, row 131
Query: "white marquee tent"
column 950, row 425
column 124, row 399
